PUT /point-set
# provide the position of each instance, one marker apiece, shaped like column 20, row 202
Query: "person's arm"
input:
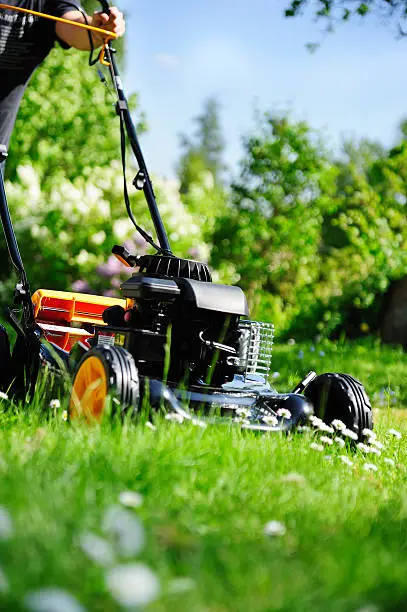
column 78, row 37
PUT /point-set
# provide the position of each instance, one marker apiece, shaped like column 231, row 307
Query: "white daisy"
column 317, row 447
column 284, row 413
column 395, row 433
column 326, row 440
column 370, row 467
column 338, row 425
column 350, row 434
column 275, row 529
column 345, row 460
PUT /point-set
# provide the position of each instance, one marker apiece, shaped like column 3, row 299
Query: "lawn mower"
column 175, row 341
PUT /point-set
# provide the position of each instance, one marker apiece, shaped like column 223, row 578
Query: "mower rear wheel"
column 104, row 371
column 340, row 396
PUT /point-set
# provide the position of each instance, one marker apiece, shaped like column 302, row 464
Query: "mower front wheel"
column 104, row 371
column 342, row 397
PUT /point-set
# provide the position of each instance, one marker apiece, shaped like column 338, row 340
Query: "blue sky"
column 249, row 56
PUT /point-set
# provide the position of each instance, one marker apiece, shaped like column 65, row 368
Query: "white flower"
column 314, row 420
column 319, row 424
column 370, row 467
column 345, row 460
column 326, row 428
column 377, row 444
column 131, row 499
column 317, row 447
column 3, row 396
column 134, row 585
column 55, row 403
column 326, row 440
column 83, row 257
column 242, row 412
column 363, row 447
column 98, row 238
column 338, row 425
column 199, row 423
column 126, row 528
column 284, row 413
column 340, row 442
column 149, row 425
column 389, row 461
column 96, row 548
column 270, row 420
column 65, row 415
column 350, row 434
column 275, row 375
column 275, row 528
column 174, row 417
column 369, row 433
column 52, row 600
column 375, row 451
column 395, row 433
column 121, row 229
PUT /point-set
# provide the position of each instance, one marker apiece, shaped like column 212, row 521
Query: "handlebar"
column 105, row 6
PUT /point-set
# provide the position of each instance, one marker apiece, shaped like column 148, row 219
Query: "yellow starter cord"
column 85, row 26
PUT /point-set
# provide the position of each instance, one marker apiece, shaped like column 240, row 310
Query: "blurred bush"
column 314, row 241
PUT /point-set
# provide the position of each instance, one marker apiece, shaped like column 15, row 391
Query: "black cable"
column 140, row 230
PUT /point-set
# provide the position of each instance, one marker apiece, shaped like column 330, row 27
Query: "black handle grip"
column 105, row 6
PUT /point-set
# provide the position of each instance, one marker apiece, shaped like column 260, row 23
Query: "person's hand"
column 114, row 22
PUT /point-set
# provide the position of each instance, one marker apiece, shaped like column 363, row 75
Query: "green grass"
column 207, row 495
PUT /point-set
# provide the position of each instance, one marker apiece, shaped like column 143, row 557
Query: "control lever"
column 123, row 255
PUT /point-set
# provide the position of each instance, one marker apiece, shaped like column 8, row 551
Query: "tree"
column 271, row 233
column 334, row 11
column 202, row 153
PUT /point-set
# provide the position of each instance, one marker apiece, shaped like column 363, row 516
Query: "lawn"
column 214, row 519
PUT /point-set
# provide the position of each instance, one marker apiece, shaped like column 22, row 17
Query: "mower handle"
column 105, row 6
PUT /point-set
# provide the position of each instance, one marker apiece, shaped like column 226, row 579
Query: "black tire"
column 5, row 360
column 121, row 377
column 340, row 396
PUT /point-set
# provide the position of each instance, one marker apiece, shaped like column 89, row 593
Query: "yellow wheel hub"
column 89, row 390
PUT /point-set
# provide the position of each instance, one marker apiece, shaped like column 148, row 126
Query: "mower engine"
column 184, row 329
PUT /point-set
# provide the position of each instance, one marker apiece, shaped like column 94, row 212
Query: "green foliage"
column 314, row 242
column 393, row 11
column 271, row 231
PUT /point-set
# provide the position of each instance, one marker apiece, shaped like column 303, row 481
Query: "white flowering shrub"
column 67, row 230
